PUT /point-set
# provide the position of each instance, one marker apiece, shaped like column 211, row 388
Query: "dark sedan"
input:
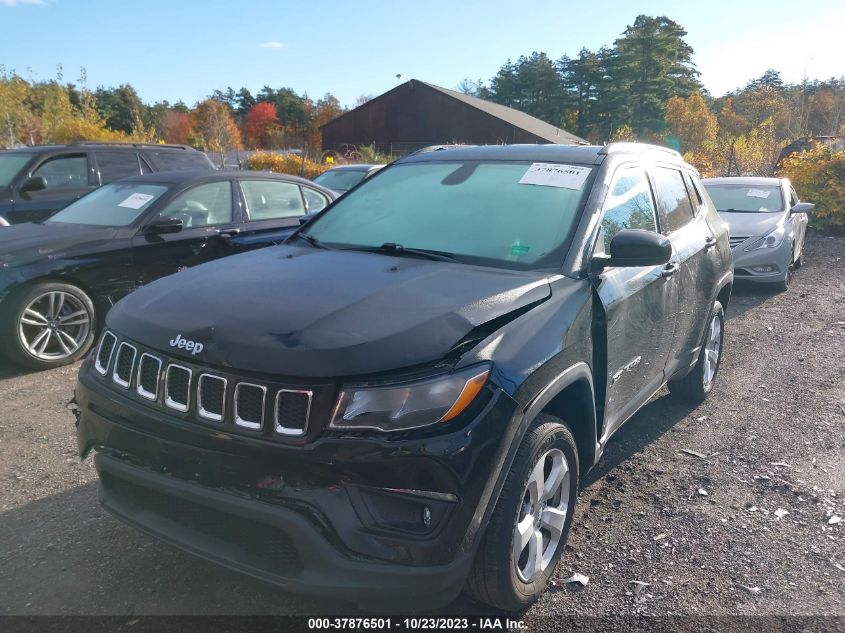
column 59, row 277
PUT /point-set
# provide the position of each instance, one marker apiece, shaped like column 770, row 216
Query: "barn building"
column 417, row 114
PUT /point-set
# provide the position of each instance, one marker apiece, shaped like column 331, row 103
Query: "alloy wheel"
column 542, row 515
column 712, row 349
column 54, row 325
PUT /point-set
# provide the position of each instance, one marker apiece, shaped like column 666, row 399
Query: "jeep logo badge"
column 189, row 346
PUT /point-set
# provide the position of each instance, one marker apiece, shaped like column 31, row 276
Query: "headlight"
column 772, row 239
column 399, row 407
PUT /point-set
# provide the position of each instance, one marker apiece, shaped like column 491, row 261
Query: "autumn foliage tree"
column 819, row 176
column 691, row 121
column 261, row 120
column 178, row 128
column 214, row 128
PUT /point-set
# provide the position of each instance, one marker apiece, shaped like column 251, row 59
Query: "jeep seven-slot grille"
column 123, row 365
column 203, row 394
column 105, row 352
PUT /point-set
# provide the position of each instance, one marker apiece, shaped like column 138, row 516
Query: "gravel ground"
column 726, row 509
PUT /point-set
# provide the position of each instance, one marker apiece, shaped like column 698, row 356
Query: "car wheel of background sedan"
column 527, row 532
column 798, row 262
column 699, row 382
column 783, row 285
column 47, row 325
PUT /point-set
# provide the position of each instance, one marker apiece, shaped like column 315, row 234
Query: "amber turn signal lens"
column 471, row 389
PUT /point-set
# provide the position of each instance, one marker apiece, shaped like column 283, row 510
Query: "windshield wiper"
column 313, row 241
column 739, row 211
column 392, row 248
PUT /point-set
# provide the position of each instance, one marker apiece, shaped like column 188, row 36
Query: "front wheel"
column 528, row 529
column 47, row 325
column 698, row 383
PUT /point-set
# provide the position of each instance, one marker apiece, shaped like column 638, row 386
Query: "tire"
column 46, row 325
column 495, row 578
column 783, row 285
column 798, row 262
column 698, row 383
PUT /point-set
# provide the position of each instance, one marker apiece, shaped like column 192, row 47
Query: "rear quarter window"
column 176, row 160
column 673, row 201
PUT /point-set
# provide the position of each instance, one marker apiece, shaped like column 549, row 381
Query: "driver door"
column 639, row 302
column 209, row 216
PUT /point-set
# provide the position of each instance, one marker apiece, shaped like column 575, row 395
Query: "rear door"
column 115, row 165
column 69, row 176
column 685, row 224
column 273, row 209
column 639, row 302
column 210, row 217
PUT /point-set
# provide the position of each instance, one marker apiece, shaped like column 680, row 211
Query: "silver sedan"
column 767, row 226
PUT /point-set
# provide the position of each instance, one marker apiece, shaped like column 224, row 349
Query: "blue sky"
column 183, row 49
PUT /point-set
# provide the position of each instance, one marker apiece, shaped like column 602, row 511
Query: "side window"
column 694, row 190
column 628, row 205
column 68, row 170
column 314, row 201
column 793, row 197
column 116, row 165
column 271, row 199
column 203, row 205
column 176, row 159
column 673, row 201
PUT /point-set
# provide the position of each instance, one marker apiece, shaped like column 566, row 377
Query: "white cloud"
column 14, row 3
column 264, row 44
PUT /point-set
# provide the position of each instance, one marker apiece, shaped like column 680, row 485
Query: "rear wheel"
column 47, row 325
column 529, row 526
column 699, row 382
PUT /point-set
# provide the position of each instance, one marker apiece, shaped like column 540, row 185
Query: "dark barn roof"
column 415, row 114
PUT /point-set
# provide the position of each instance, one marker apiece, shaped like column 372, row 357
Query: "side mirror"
column 635, row 247
column 160, row 226
column 33, row 183
column 803, row 207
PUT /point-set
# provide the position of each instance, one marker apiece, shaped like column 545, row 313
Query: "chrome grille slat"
column 736, row 240
column 210, row 405
column 107, row 344
column 177, row 387
column 122, row 373
column 247, row 397
column 146, row 384
column 291, row 411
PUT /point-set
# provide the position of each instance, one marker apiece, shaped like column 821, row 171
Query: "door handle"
column 709, row 242
column 669, row 270
column 228, row 233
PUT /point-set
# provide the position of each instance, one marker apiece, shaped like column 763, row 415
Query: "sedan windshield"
column 112, row 205
column 745, row 198
column 10, row 165
column 340, row 179
column 486, row 213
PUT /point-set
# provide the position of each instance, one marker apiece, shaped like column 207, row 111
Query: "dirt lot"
column 725, row 509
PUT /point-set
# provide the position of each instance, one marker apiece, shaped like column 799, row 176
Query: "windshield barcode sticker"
column 758, row 193
column 136, row 201
column 555, row 175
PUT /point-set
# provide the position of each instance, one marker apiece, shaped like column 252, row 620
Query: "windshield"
column 746, row 198
column 10, row 165
column 112, row 205
column 478, row 212
column 340, row 179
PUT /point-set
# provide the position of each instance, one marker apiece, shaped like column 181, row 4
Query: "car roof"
column 188, row 176
column 356, row 167
column 743, row 181
column 584, row 154
column 81, row 145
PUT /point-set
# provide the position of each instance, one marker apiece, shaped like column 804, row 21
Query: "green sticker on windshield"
column 519, row 249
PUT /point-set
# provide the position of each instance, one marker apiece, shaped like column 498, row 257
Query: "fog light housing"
column 764, row 269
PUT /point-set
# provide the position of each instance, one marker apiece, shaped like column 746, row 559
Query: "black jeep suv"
column 35, row 182
column 401, row 399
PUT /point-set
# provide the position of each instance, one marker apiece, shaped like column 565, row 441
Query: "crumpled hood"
column 751, row 224
column 321, row 313
column 28, row 242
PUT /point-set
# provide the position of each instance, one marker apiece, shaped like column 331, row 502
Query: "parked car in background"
column 767, row 223
column 344, row 177
column 423, row 374
column 38, row 181
column 58, row 278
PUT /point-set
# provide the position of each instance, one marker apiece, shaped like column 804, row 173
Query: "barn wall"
column 412, row 116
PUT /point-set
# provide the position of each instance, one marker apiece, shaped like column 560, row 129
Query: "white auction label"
column 555, row 175
column 758, row 193
column 136, row 201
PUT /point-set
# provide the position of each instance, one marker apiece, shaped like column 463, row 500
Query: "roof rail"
column 128, row 144
column 627, row 147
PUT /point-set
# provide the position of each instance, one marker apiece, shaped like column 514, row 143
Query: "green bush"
column 818, row 176
column 285, row 164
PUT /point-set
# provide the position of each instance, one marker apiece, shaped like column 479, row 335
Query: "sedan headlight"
column 772, row 239
column 410, row 405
